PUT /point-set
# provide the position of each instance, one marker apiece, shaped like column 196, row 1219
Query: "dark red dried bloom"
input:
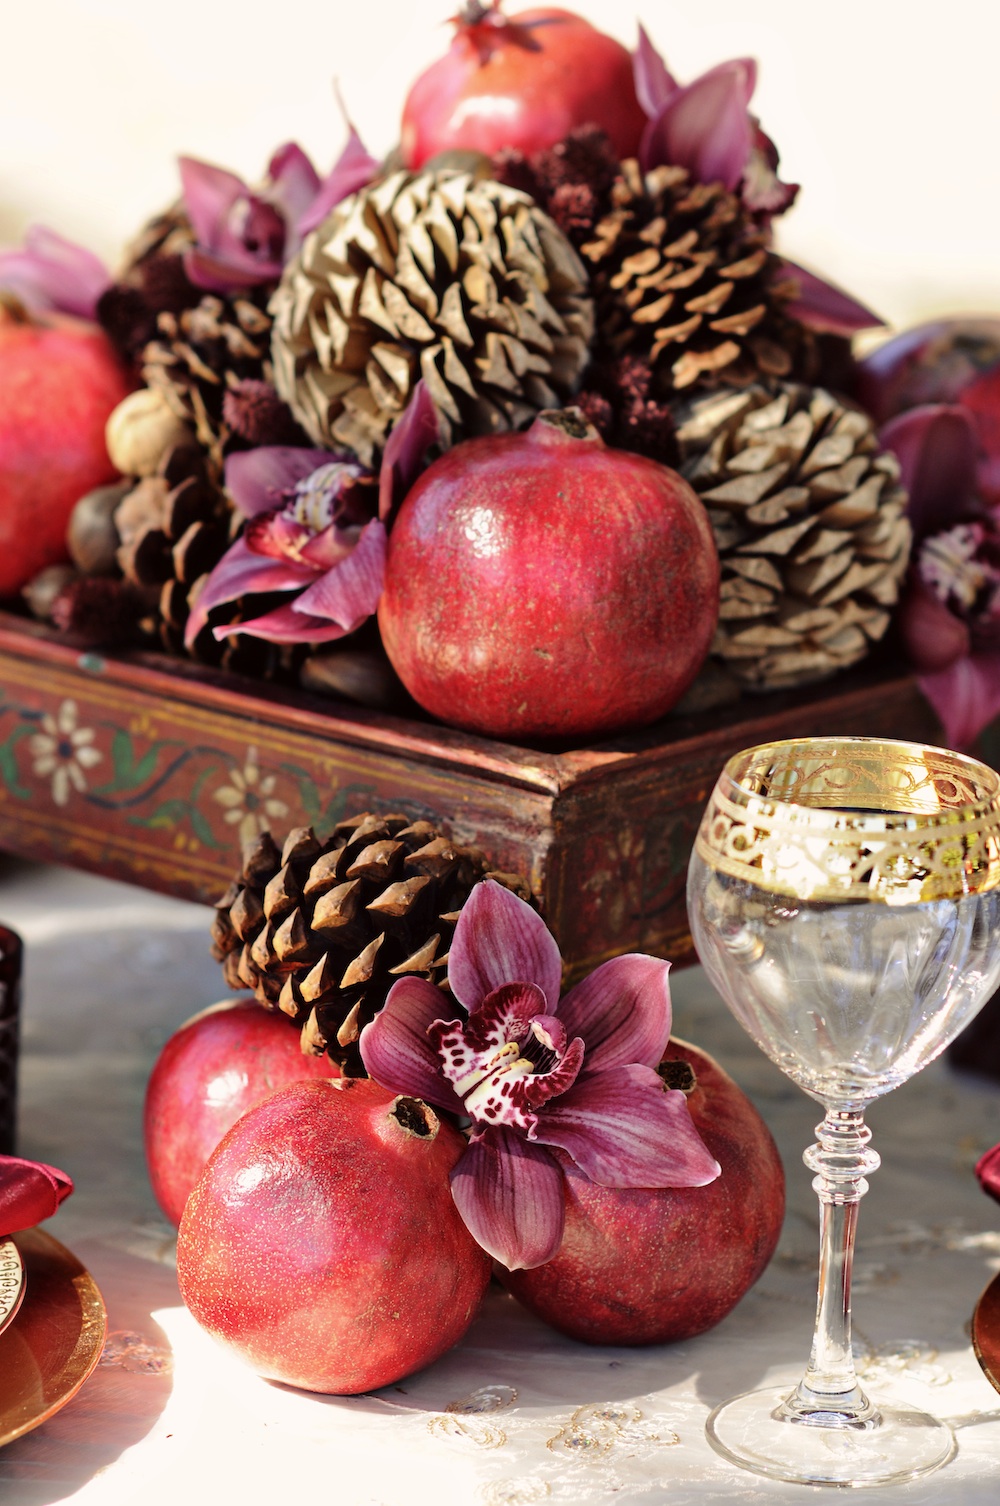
column 513, row 168
column 571, row 181
column 575, row 207
column 584, row 156
column 616, row 399
column 99, row 611
column 255, row 413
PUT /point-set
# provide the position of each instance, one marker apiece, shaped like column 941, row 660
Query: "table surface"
column 516, row 1414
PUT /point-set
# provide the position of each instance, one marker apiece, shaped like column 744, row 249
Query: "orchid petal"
column 505, row 1015
column 988, row 1172
column 966, row 697
column 395, row 1047
column 705, row 126
column 209, row 194
column 625, row 1129
column 655, row 85
column 500, row 939
column 30, row 1191
column 822, row 306
column 239, row 572
column 329, row 548
column 257, row 480
column 284, row 625
column 49, row 272
column 510, row 1195
column 353, row 169
column 410, row 438
column 279, row 536
column 622, row 1011
column 293, row 188
column 230, row 273
column 936, row 448
column 933, row 636
column 763, row 192
column 349, row 592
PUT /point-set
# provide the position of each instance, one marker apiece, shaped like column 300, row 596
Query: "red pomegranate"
column 323, row 1244
column 648, row 1266
column 59, row 381
column 215, row 1067
column 542, row 585
column 521, row 81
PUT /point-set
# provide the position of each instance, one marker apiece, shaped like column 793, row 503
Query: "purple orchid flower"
column 309, row 529
column 949, row 618
column 49, row 272
column 353, row 169
column 540, row 1077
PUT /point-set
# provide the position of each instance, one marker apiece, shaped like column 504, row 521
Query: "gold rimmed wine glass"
column 844, row 898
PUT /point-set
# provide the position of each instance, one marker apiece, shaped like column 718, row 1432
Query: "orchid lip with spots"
column 538, row 1074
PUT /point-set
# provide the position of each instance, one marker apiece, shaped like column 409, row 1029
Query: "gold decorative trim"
column 855, row 818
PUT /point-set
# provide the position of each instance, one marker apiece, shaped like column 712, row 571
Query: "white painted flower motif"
column 63, row 750
column 248, row 800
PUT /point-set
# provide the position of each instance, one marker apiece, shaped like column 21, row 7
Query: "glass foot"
column 902, row 1445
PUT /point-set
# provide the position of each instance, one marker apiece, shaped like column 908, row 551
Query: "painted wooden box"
column 150, row 770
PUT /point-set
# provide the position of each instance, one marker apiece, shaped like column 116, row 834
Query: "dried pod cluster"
column 809, row 519
column 462, row 281
column 321, row 930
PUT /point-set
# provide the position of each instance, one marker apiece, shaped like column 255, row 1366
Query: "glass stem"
column 828, row 1394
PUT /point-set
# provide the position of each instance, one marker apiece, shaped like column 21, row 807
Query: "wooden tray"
column 151, row 770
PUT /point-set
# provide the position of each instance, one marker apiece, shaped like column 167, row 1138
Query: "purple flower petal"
column 409, row 440
column 622, row 1011
column 499, row 939
column 257, row 480
column 822, row 306
column 705, row 126
column 510, row 1195
column 284, row 625
column 395, row 1047
column 988, row 1172
column 763, row 192
column 932, row 635
column 625, row 1129
column 966, row 697
column 294, row 184
column 349, row 593
column 209, row 195
column 505, row 1015
column 936, row 446
column 232, row 272
column 655, row 85
column 49, row 272
column 239, row 572
column 353, row 169
column 329, row 548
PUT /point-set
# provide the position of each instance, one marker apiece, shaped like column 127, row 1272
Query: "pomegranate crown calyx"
column 486, row 26
column 564, row 426
column 414, row 1118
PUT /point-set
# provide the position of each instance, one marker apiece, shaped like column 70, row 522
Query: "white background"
column 887, row 111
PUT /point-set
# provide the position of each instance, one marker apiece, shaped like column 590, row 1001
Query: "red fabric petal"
column 622, row 1011
column 395, row 1047
column 499, row 939
column 966, row 697
column 510, row 1195
column 30, row 1191
column 625, row 1129
column 936, row 446
column 257, row 480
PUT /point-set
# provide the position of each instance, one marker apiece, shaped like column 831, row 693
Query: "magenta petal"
column 284, row 625
column 705, row 127
column 622, row 1011
column 510, row 1195
column 30, row 1191
column 932, row 635
column 50, row 272
column 655, row 85
column 763, row 192
column 966, row 697
column 239, row 572
column 625, row 1129
column 353, row 169
column 499, row 939
column 822, row 306
column 504, row 1015
column 395, row 1048
column 936, row 447
column 988, row 1172
column 293, row 188
column 231, row 272
column 258, row 479
column 209, row 194
column 349, row 592
column 409, row 440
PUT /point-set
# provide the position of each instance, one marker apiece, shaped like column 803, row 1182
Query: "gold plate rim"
column 986, row 1332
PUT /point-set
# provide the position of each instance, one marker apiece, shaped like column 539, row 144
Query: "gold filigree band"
column 855, row 818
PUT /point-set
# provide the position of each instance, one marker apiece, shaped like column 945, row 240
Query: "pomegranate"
column 215, row 1067
column 542, row 585
column 521, row 81
column 59, row 381
column 647, row 1266
column 323, row 1244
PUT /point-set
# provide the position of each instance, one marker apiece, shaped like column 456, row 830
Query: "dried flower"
column 254, row 412
column 49, row 272
column 533, row 1071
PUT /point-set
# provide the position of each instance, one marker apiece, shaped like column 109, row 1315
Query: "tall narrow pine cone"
column 463, row 282
column 809, row 519
column 682, row 276
column 321, row 930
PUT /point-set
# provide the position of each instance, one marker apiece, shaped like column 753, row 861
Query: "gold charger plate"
column 56, row 1339
column 986, row 1332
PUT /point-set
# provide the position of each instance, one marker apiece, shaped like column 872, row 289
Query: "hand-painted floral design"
column 62, row 750
column 249, row 801
column 540, row 1077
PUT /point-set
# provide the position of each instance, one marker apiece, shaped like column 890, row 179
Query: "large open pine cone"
column 809, row 519
column 322, row 930
column 463, row 282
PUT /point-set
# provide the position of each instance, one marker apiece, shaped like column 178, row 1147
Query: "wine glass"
column 844, row 898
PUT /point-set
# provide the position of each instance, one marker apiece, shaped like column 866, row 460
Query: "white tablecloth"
column 515, row 1415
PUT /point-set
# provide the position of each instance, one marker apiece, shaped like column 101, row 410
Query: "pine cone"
column 322, row 930
column 152, row 281
column 463, row 282
column 809, row 519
